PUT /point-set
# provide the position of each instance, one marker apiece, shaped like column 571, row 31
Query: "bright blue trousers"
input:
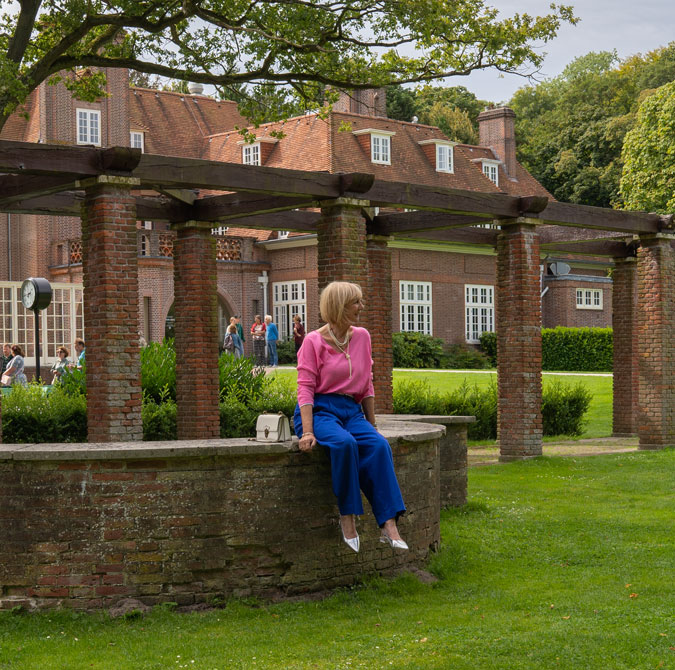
column 360, row 457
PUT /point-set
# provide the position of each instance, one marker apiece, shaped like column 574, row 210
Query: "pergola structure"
column 111, row 188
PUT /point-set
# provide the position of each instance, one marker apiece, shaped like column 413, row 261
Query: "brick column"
column 342, row 242
column 624, row 323
column 656, row 346
column 519, row 340
column 195, row 306
column 379, row 317
column 110, row 277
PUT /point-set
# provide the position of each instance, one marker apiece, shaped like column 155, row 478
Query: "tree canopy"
column 570, row 130
column 305, row 45
column 648, row 181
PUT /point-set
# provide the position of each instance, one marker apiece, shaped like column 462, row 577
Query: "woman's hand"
column 307, row 441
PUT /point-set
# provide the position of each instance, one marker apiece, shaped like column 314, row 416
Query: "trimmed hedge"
column 563, row 406
column 417, row 350
column 578, row 349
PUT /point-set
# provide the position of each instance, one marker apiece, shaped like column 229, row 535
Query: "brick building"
column 442, row 288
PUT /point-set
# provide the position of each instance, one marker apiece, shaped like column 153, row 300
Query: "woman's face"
column 61, row 354
column 353, row 309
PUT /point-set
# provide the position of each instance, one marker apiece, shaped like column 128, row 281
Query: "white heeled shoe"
column 352, row 542
column 394, row 544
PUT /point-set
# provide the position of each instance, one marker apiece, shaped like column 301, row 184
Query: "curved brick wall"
column 85, row 525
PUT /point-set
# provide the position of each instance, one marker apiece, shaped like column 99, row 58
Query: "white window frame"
column 282, row 234
column 84, row 131
column 137, row 140
column 288, row 299
column 219, row 230
column 447, row 163
column 479, row 303
column 491, row 171
column 250, row 154
column 416, row 306
column 589, row 298
column 380, row 149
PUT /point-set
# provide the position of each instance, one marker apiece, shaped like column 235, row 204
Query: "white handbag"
column 272, row 428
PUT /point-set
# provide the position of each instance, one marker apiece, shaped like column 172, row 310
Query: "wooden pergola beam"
column 301, row 222
column 237, row 205
column 482, row 236
column 592, row 248
column 20, row 187
column 408, row 222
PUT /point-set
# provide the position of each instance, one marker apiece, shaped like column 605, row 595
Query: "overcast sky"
column 627, row 26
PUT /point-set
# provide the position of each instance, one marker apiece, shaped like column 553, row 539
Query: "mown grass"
column 554, row 563
column 598, row 417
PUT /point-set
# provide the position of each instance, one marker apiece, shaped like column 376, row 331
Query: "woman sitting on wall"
column 336, row 409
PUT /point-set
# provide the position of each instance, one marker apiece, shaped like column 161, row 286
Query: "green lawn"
column 599, row 416
column 554, row 563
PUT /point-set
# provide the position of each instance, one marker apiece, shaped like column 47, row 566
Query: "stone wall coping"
column 396, row 432
column 444, row 419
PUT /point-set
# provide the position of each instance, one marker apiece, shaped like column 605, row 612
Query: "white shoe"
column 394, row 544
column 352, row 542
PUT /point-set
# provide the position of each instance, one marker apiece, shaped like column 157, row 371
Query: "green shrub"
column 417, row 350
column 464, row 357
column 159, row 419
column 236, row 419
column 286, row 352
column 29, row 414
column 488, row 344
column 240, row 378
column 563, row 408
column 580, row 349
column 158, row 369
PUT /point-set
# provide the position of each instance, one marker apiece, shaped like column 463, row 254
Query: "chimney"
column 369, row 102
column 195, row 88
column 497, row 132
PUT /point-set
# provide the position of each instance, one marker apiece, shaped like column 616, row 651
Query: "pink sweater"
column 322, row 369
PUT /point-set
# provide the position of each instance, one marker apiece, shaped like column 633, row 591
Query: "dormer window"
column 250, row 154
column 137, row 140
column 491, row 171
column 442, row 152
column 380, row 144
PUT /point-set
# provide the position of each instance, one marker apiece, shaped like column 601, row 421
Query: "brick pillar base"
column 195, row 306
column 519, row 341
column 624, row 323
column 656, row 346
column 110, row 277
column 379, row 311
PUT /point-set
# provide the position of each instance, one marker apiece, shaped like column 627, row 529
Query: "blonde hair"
column 334, row 298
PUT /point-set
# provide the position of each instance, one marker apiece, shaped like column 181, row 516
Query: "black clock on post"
column 36, row 295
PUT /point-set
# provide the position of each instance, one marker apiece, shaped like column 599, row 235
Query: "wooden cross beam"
column 237, row 205
column 614, row 249
column 484, row 236
column 407, row 222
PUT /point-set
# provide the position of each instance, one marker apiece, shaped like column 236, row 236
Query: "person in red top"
column 258, row 334
column 298, row 333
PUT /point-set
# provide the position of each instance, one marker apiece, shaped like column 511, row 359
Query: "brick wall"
column 559, row 304
column 188, row 525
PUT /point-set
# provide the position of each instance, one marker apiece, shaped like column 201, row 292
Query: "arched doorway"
column 224, row 314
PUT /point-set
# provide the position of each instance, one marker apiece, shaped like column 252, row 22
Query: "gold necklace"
column 340, row 346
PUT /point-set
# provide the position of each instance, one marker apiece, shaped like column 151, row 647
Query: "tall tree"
column 648, row 181
column 570, row 129
column 303, row 44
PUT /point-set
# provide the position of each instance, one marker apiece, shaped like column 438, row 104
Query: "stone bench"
column 84, row 525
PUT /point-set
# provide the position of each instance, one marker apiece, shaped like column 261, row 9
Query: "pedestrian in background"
column 272, row 335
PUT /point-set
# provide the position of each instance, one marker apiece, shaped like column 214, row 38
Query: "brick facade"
column 519, row 422
column 656, row 325
column 197, row 384
column 110, row 275
column 626, row 361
